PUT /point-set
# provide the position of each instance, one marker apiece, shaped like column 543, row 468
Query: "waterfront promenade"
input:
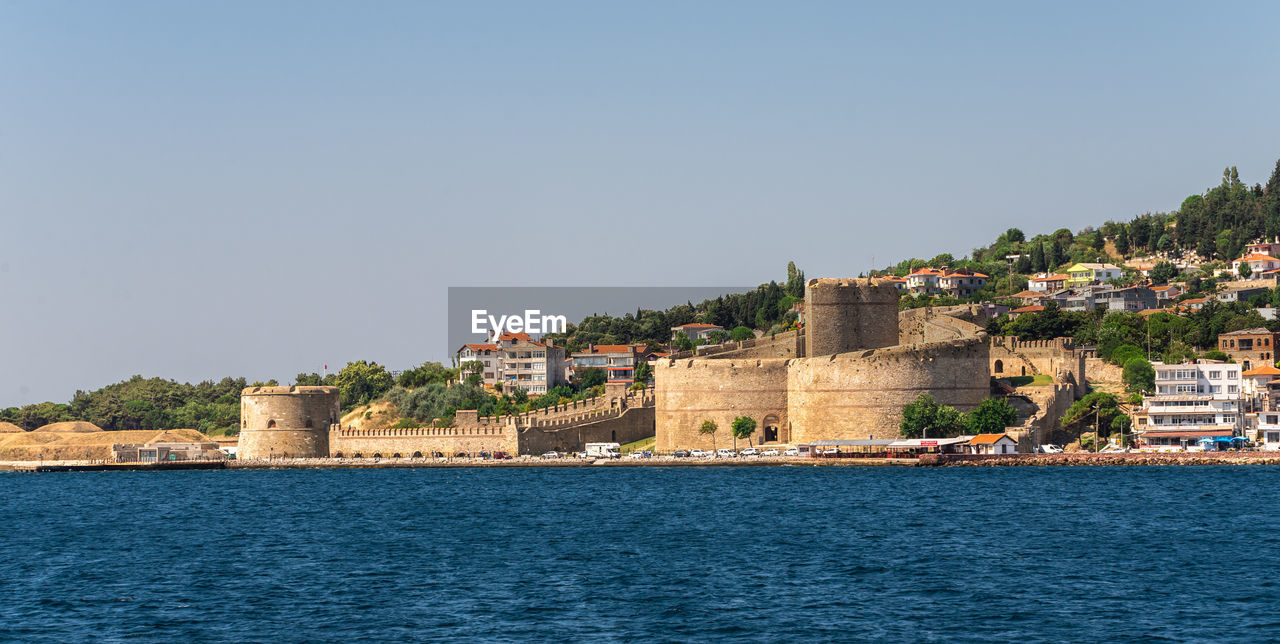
column 927, row 460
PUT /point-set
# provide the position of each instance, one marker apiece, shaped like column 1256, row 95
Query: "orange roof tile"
column 481, row 347
column 1035, row 308
column 698, row 325
column 1263, row 371
column 986, row 439
column 1257, row 257
column 508, row 336
column 1026, row 294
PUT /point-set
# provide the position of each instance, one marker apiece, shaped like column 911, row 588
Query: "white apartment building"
column 486, row 354
column 1193, row 401
column 529, row 365
column 517, row 361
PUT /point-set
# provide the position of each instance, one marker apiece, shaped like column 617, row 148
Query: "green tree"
column 708, row 428
column 643, row 372
column 1098, row 408
column 1139, row 375
column 1038, row 262
column 1122, row 242
column 1014, row 235
column 741, row 333
column 590, row 377
column 682, row 343
column 925, row 418
column 1162, row 272
column 1245, row 270
column 361, row 382
column 991, row 416
column 742, row 427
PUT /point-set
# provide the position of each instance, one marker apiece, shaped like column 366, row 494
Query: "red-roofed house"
column 696, row 331
column 1258, row 264
column 1030, row 297
column 992, row 444
column 1036, row 308
column 1048, row 282
column 924, row 281
column 962, row 282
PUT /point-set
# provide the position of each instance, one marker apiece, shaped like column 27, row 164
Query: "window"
column 1215, row 375
column 1271, row 419
column 1215, row 389
column 1233, row 389
column 1231, row 375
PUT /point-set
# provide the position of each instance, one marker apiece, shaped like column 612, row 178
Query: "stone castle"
column 287, row 422
column 847, row 376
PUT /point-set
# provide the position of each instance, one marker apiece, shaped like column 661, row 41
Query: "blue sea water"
column 766, row 554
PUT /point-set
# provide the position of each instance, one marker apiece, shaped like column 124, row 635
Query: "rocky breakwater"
column 1086, row 458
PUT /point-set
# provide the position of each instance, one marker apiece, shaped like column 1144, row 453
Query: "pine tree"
column 1122, row 242
column 1038, row 263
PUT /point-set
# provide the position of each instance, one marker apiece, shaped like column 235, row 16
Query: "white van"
column 604, row 450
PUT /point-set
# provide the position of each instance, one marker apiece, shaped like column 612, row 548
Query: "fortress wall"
column 939, row 325
column 287, row 421
column 1013, row 357
column 849, row 314
column 785, row 345
column 631, row 425
column 690, row 391
column 859, row 395
column 406, row 441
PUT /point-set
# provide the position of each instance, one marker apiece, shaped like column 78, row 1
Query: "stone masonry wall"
column 690, row 391
column 286, row 421
column 849, row 314
column 425, row 440
column 631, row 425
column 861, row 395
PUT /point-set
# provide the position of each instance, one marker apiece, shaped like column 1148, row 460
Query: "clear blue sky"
column 194, row 190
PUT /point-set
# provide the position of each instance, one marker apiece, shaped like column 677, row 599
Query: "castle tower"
column 844, row 315
column 280, row 422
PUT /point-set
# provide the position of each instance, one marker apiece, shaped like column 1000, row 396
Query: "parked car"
column 699, row 453
column 638, row 455
column 1049, row 449
column 551, row 455
column 501, row 456
column 681, row 453
column 770, row 452
column 725, row 453
column 750, row 451
column 791, row 452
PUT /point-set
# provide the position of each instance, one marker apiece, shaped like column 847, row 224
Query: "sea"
column 795, row 553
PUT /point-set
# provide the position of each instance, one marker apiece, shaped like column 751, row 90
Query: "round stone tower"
column 844, row 315
column 287, row 422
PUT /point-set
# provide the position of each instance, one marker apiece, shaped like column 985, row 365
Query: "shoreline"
column 1079, row 459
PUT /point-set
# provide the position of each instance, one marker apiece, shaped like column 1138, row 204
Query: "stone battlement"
column 295, row 390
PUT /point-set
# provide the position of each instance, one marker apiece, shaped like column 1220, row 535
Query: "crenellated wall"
column 423, row 441
column 1058, row 358
column 833, row 392
column 849, row 314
